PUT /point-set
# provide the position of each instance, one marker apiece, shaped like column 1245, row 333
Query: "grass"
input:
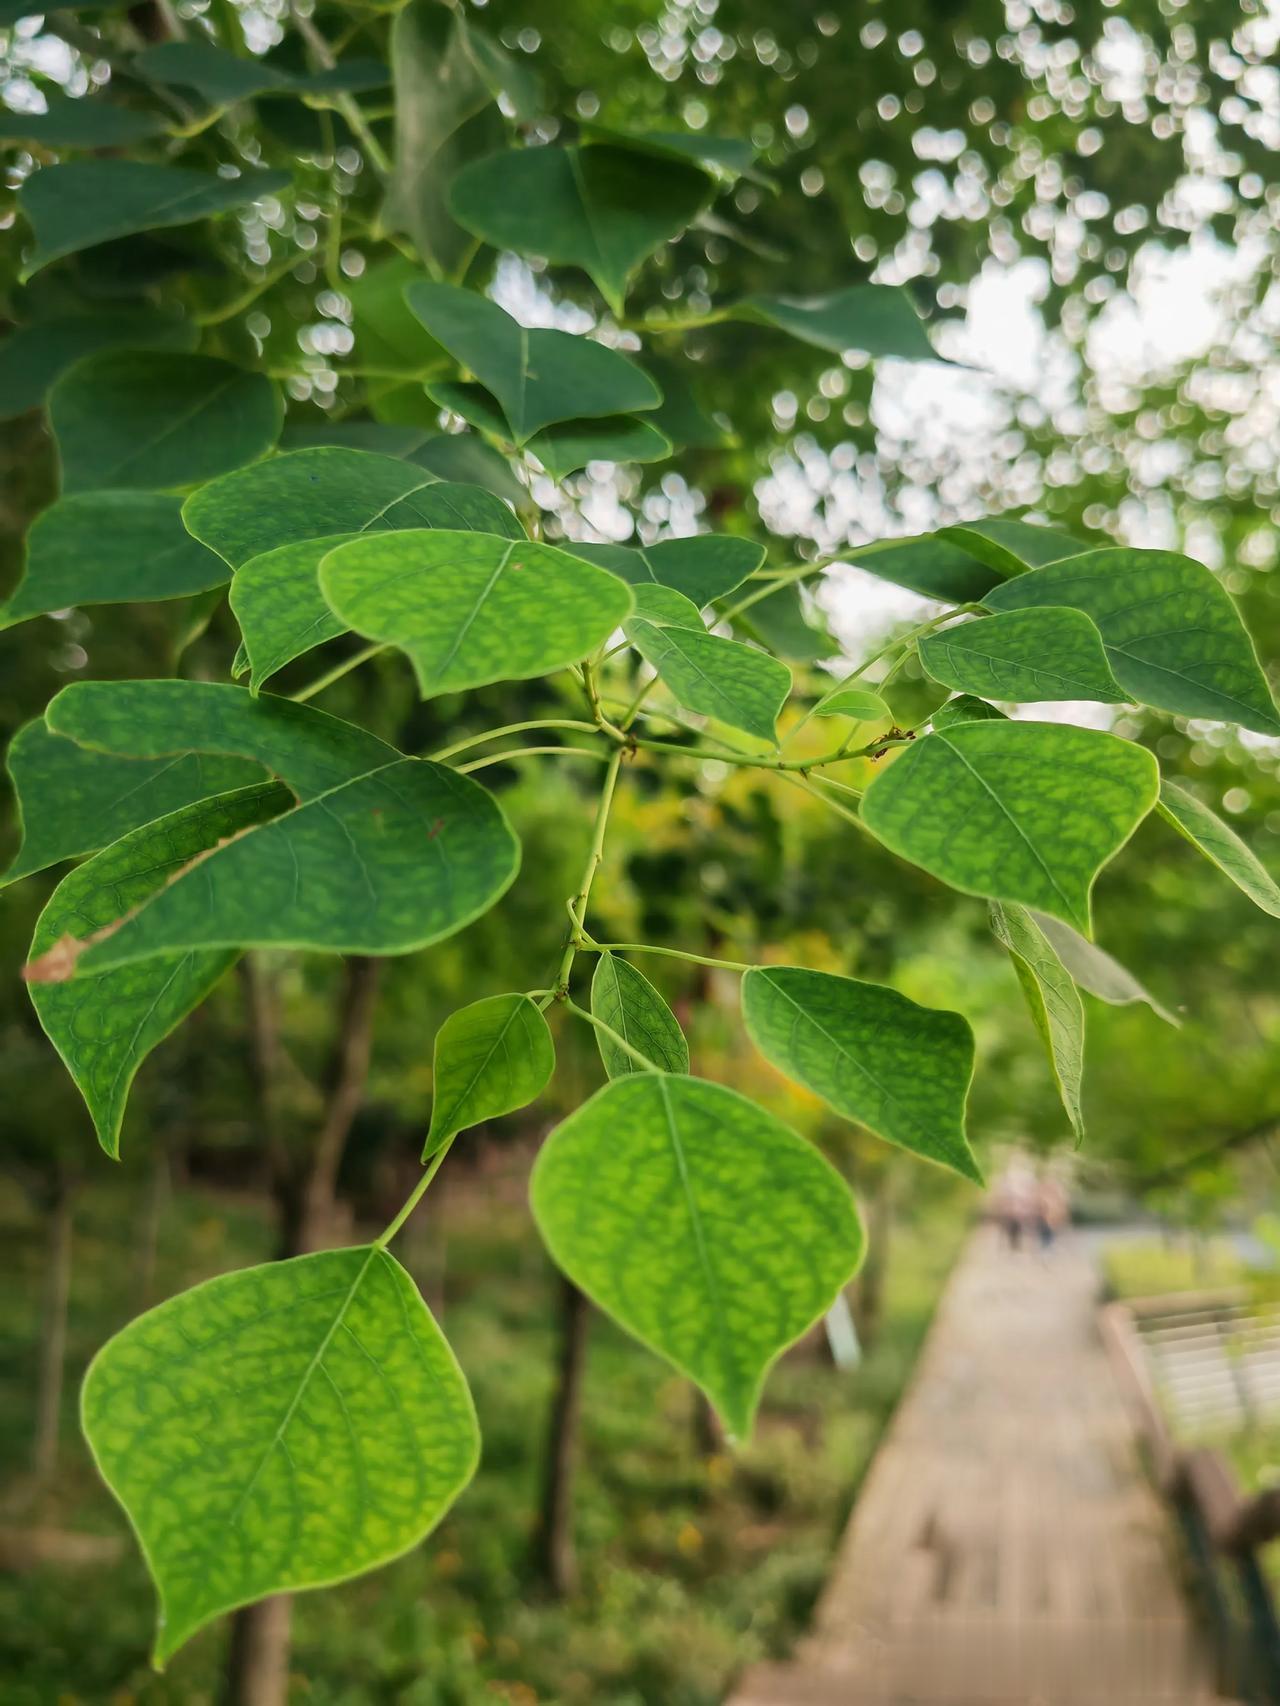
column 1151, row 1267
column 691, row 1566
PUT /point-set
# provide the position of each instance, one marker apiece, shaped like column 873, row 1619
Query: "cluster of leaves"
column 286, row 1426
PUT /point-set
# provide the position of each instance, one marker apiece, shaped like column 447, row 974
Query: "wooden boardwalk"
column 1005, row 1549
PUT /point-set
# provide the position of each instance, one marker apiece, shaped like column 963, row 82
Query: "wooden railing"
column 1224, row 1529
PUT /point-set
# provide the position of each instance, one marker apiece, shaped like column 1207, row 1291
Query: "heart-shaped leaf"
column 73, row 800
column 279, row 1428
column 1014, row 811
column 152, row 421
column 104, row 1027
column 468, row 608
column 491, row 1057
column 877, row 319
column 1174, row 638
column 85, row 202
column 1027, row 655
column 33, row 356
column 598, row 208
column 564, row 449
column 538, row 377
column 110, row 548
column 883, row 1061
column 703, row 567
column 1220, row 843
column 1054, row 1003
column 276, row 597
column 699, row 1222
column 719, row 678
column 629, row 1004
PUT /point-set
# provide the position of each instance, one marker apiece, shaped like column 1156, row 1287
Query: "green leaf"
column 877, row 319
column 599, row 208
column 965, row 709
column 468, row 608
column 1174, row 638
column 387, row 335
column 779, row 622
column 276, row 597
column 152, row 421
column 1009, row 547
column 856, row 702
column 538, row 377
column 680, row 415
column 1055, row 1006
column 491, row 1057
column 80, row 123
column 307, row 749
column 1220, row 843
column 1093, row 969
column 1014, row 811
column 719, row 678
column 899, row 1069
column 663, row 604
column 85, row 202
column 33, row 356
column 278, row 1428
column 701, row 1223
column 727, row 156
column 1029, row 655
column 629, row 1004
column 466, row 458
column 704, row 567
column 104, row 1027
column 382, row 863
column 444, row 116
column 110, row 548
column 72, row 800
column 929, row 564
column 223, row 77
column 564, row 449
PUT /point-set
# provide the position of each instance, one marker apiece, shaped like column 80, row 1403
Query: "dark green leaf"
column 74, row 206
column 629, row 1004
column 154, row 421
column 1220, row 843
column 80, row 123
column 877, row 319
column 104, row 1027
column 780, row 623
column 538, row 377
column 33, row 356
column 965, row 709
column 1014, row 811
column 699, row 1222
column 1173, row 636
column 598, row 208
column 1038, row 654
column 726, row 156
column 110, row 548
column 704, row 567
column 719, row 678
column 491, row 1057
column 1055, row 1006
column 1009, row 547
column 928, row 564
column 899, row 1069
column 223, row 77
column 343, row 1429
column 387, row 335
column 468, row 608
column 564, row 449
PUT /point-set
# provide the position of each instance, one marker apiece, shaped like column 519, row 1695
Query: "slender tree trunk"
column 257, row 1671
column 53, row 1333
column 554, row 1552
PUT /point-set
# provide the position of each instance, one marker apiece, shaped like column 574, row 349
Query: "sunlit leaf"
column 883, row 1061
column 1014, row 811
column 33, row 356
column 1173, row 637
column 965, row 709
column 719, row 678
column 1037, row 654
column 538, row 377
column 343, row 1427
column 110, row 548
column 1052, row 999
column 491, row 1057
column 629, row 1004
column 1220, row 843
column 152, row 421
column 857, row 702
column 598, row 208
column 76, row 205
column 104, row 1027
column 469, row 608
column 699, row 1222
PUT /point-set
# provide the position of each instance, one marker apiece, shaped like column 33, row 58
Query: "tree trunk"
column 554, row 1551
column 257, row 1672
column 53, row 1333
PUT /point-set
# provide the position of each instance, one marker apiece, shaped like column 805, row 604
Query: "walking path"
column 1005, row 1549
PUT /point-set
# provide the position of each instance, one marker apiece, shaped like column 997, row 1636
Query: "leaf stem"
column 415, row 1195
column 533, row 752
column 336, row 673
column 510, row 729
column 670, row 953
column 578, row 905
column 614, row 1036
column 246, row 299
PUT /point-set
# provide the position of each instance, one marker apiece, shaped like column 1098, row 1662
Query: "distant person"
column 1017, row 1202
column 1053, row 1210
